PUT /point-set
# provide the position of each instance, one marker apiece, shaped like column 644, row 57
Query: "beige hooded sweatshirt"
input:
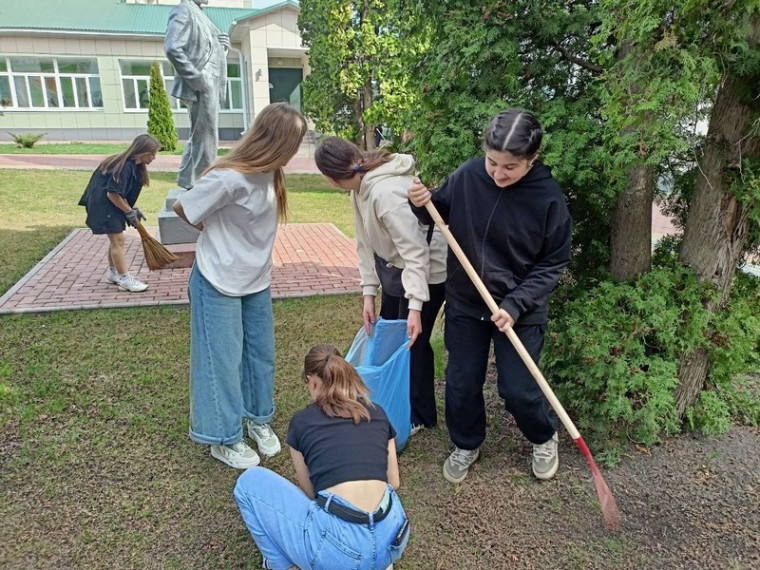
column 385, row 225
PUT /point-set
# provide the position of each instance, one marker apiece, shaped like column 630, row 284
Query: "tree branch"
column 576, row 60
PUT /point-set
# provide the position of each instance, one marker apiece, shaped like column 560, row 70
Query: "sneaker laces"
column 263, row 431
column 462, row 457
column 238, row 447
column 545, row 451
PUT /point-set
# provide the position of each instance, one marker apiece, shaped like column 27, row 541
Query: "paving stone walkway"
column 309, row 259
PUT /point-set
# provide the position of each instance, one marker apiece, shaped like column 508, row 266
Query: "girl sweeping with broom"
column 236, row 205
column 110, row 198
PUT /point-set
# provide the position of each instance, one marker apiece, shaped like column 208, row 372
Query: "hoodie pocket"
column 499, row 283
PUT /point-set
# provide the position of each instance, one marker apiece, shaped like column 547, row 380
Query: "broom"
column 156, row 255
column 607, row 502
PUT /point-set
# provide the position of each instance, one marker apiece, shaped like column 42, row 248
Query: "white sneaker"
column 265, row 438
column 112, row 276
column 415, row 429
column 238, row 455
column 132, row 284
column 546, row 458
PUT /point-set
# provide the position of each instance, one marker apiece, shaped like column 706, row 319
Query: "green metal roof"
column 108, row 16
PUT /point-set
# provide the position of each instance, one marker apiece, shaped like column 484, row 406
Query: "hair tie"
column 356, row 168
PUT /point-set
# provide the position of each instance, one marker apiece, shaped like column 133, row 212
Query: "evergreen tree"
column 359, row 77
column 620, row 87
column 160, row 117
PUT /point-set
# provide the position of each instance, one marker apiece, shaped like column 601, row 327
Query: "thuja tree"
column 673, row 64
column 485, row 56
column 618, row 86
column 359, row 79
column 160, row 117
column 723, row 214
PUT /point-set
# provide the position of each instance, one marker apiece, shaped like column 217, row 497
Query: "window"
column 135, row 85
column 49, row 83
column 135, row 82
column 234, row 100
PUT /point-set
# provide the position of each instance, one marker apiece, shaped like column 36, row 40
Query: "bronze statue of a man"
column 198, row 51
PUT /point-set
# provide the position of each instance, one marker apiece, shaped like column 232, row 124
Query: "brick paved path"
column 309, row 259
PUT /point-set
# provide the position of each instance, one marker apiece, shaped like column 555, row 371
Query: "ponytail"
column 340, row 159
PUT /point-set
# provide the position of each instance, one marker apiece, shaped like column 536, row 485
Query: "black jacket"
column 517, row 239
column 103, row 217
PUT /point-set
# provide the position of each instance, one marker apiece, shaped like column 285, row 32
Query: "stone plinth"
column 185, row 253
column 172, row 229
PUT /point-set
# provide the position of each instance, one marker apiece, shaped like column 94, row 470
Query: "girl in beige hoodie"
column 405, row 259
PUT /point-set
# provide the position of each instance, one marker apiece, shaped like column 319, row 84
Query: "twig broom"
column 607, row 502
column 156, row 255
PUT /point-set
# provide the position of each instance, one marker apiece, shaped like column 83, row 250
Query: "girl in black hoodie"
column 511, row 220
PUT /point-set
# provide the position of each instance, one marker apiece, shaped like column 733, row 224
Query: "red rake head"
column 607, row 502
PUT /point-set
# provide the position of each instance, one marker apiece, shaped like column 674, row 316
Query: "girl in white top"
column 236, row 205
column 407, row 260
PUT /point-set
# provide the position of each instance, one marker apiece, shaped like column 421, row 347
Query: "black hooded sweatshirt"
column 517, row 238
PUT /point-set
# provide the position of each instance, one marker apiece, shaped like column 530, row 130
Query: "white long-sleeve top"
column 385, row 225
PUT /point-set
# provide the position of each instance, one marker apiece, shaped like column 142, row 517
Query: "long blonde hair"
column 341, row 388
column 143, row 144
column 268, row 145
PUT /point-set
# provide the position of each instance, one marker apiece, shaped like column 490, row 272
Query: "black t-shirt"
column 336, row 450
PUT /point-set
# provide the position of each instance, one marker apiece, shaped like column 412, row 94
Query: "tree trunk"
column 631, row 239
column 631, row 243
column 358, row 121
column 717, row 224
column 369, row 130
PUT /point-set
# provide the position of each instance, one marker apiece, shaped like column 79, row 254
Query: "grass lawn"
column 79, row 148
column 97, row 471
column 40, row 209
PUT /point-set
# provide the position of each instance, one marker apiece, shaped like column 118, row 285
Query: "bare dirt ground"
column 691, row 503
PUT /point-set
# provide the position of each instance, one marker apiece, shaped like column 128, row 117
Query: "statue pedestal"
column 175, row 233
column 171, row 228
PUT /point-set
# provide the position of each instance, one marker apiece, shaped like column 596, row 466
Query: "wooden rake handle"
column 494, row 308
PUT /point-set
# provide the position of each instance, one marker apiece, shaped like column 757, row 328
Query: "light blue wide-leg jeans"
column 231, row 361
column 291, row 530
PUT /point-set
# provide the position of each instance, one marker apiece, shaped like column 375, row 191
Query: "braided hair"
column 514, row 131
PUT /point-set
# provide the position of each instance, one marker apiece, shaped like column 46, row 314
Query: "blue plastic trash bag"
column 382, row 360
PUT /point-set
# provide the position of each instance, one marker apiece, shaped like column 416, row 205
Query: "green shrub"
column 613, row 354
column 26, row 140
column 160, row 117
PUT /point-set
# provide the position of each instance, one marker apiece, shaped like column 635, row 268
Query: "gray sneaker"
column 238, row 455
column 455, row 468
column 265, row 438
column 546, row 458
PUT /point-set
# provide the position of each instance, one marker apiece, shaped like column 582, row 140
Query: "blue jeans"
column 291, row 529
column 231, row 362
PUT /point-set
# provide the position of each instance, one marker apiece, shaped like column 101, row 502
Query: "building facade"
column 78, row 70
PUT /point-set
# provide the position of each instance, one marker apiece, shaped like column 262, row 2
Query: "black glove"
column 133, row 217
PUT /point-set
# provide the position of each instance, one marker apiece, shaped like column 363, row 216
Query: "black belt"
column 352, row 515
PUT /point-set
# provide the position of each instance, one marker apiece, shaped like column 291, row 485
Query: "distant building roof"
column 109, row 16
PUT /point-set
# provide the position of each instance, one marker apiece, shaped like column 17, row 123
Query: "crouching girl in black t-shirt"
column 348, row 515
